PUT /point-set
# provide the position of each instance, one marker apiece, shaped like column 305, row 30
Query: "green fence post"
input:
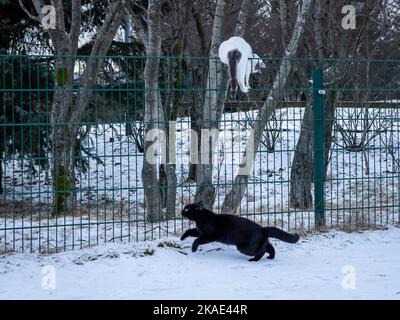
column 319, row 132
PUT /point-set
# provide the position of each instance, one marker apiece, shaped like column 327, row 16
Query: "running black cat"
column 249, row 237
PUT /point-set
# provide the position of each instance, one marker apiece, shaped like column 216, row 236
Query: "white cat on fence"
column 237, row 54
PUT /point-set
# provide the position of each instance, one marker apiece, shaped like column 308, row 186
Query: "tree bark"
column 240, row 29
column 153, row 112
column 62, row 148
column 205, row 189
column 195, row 119
column 67, row 110
column 302, row 171
column 215, row 99
column 284, row 19
column 234, row 197
column 173, row 107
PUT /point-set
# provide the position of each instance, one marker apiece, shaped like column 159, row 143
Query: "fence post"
column 319, row 133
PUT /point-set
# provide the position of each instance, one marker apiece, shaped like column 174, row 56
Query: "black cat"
column 250, row 238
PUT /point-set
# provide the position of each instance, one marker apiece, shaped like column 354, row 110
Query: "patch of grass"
column 169, row 244
column 149, row 252
column 20, row 209
column 112, row 255
column 94, row 257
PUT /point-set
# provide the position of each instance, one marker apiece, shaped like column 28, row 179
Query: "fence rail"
column 68, row 182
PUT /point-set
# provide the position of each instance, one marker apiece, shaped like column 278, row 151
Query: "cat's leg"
column 190, row 233
column 242, row 86
column 246, row 82
column 258, row 256
column 241, row 74
column 260, row 247
column 201, row 240
column 267, row 248
column 270, row 249
column 249, row 68
column 232, row 92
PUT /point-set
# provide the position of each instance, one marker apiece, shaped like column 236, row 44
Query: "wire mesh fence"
column 72, row 175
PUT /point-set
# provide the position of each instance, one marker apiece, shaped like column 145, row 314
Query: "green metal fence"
column 329, row 156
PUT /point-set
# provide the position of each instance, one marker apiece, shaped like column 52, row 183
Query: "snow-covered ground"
column 334, row 265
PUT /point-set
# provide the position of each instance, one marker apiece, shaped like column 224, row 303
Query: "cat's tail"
column 233, row 59
column 272, row 232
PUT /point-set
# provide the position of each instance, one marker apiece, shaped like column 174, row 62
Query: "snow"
column 333, row 265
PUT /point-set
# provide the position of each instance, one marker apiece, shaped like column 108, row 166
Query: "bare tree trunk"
column 302, row 171
column 205, row 189
column 239, row 187
column 67, row 110
column 284, row 19
column 172, row 109
column 170, row 170
column 100, row 47
column 215, row 99
column 240, row 29
column 62, row 149
column 72, row 110
column 153, row 112
column 195, row 118
column 167, row 172
column 197, row 99
column 63, row 141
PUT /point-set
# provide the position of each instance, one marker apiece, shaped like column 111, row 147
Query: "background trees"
column 67, row 108
column 278, row 28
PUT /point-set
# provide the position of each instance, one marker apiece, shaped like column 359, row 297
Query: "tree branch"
column 76, row 7
column 60, row 23
column 200, row 31
column 100, row 47
column 57, row 36
column 137, row 24
column 233, row 198
column 241, row 21
column 111, row 23
column 30, row 15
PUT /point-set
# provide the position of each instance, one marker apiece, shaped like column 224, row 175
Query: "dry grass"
column 20, row 209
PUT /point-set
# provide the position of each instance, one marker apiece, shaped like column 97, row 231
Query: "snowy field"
column 334, row 265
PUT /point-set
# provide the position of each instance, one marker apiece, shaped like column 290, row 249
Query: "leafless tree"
column 214, row 101
column 68, row 109
column 239, row 187
column 154, row 117
column 273, row 129
column 326, row 38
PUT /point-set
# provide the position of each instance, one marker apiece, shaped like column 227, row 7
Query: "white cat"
column 235, row 52
column 254, row 65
